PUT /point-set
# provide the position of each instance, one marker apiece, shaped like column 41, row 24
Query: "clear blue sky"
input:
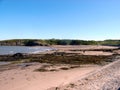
column 60, row 19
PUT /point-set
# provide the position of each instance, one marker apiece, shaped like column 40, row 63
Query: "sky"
column 60, row 19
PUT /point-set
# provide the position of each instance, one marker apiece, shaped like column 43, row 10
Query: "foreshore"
column 105, row 78
column 54, row 68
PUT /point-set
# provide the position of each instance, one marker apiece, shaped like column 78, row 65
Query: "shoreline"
column 52, row 68
column 105, row 78
column 70, row 48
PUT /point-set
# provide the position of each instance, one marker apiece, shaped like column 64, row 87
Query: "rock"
column 18, row 55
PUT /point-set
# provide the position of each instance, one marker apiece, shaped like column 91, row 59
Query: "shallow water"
column 4, row 63
column 4, row 50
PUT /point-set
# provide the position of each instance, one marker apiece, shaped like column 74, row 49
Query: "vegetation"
column 40, row 42
column 73, row 59
column 30, row 43
column 58, row 59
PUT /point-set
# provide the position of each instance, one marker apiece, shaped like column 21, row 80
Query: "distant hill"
column 47, row 42
column 23, row 42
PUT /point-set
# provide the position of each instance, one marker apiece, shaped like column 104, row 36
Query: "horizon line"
column 56, row 39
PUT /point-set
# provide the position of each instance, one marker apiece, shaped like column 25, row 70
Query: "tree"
column 30, row 43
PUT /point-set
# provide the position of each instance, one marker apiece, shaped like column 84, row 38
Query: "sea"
column 7, row 50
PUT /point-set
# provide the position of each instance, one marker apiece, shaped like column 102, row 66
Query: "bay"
column 5, row 50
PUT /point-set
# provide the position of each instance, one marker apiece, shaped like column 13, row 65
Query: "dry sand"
column 84, row 49
column 28, row 79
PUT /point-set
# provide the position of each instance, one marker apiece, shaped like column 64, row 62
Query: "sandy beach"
column 105, row 78
column 28, row 79
column 34, row 77
column 59, row 44
column 85, row 49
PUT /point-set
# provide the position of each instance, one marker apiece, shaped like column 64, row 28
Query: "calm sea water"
column 4, row 63
column 4, row 50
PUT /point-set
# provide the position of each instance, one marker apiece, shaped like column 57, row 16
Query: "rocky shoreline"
column 83, row 54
